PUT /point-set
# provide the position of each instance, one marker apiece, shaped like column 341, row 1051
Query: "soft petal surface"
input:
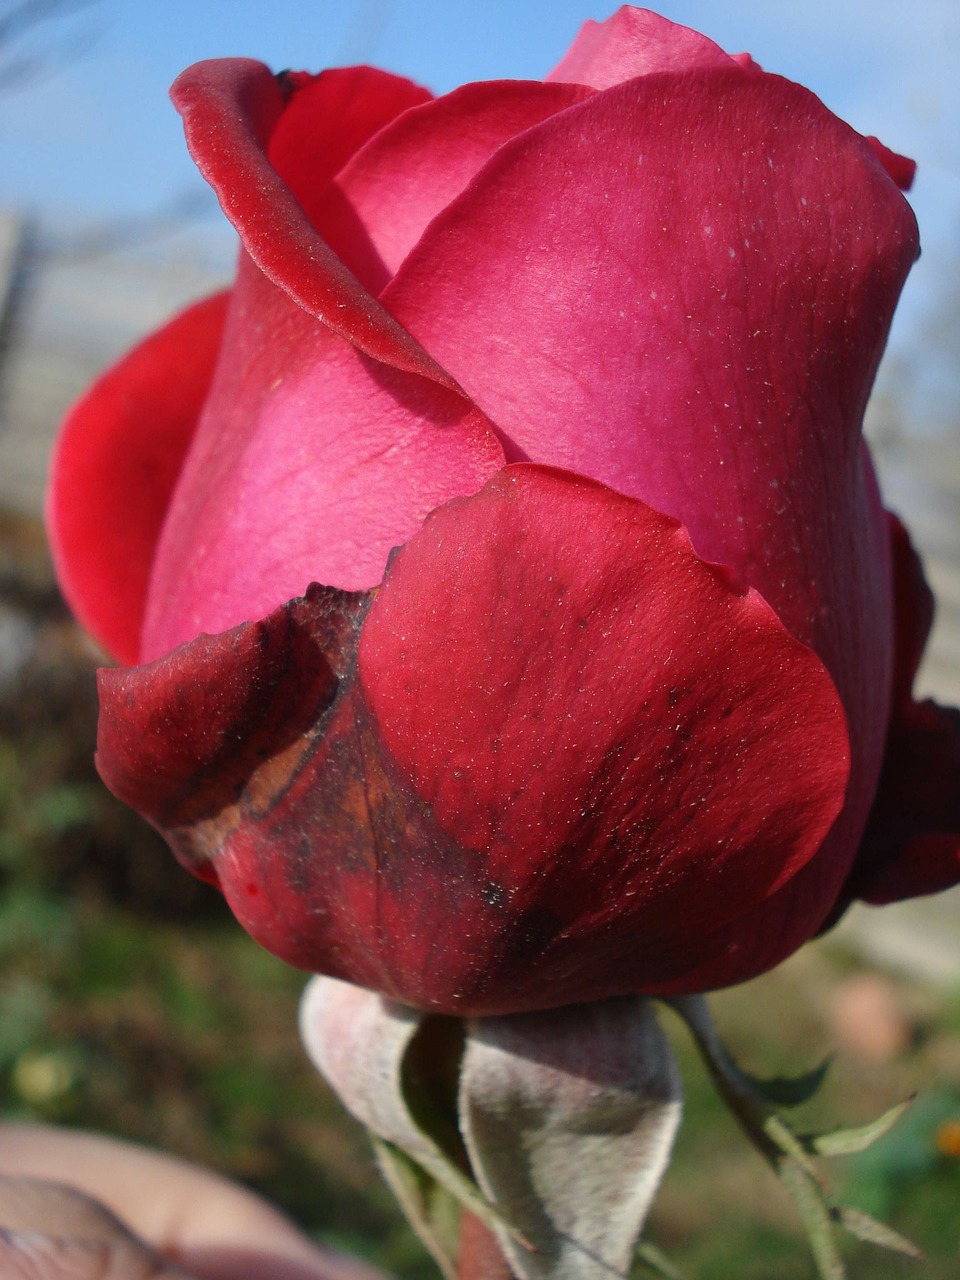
column 599, row 792
column 310, row 463
column 115, row 467
column 635, row 42
column 327, row 118
column 629, row 339
column 901, row 169
column 231, row 109
column 571, row 751
column 912, row 842
column 379, row 206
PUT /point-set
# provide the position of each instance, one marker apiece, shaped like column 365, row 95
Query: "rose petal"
column 502, row 812
column 183, row 739
column 378, row 207
column 913, row 608
column 911, row 845
column 619, row 803
column 629, row 339
column 329, row 117
column 231, row 108
column 635, row 42
column 901, row 169
column 582, row 326
column 912, row 842
column 115, row 466
column 311, row 462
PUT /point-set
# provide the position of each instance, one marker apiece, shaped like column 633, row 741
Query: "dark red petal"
column 635, row 42
column 632, row 751
column 231, row 108
column 254, row 754
column 380, row 204
column 683, row 287
column 223, row 719
column 329, row 117
column 901, row 169
column 115, row 466
column 572, row 750
column 912, row 842
column 913, row 607
column 913, row 833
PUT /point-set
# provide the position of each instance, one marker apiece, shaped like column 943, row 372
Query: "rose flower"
column 629, row 709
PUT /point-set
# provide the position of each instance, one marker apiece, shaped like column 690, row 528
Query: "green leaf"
column 871, row 1231
column 789, row 1145
column 847, row 1142
column 790, row 1152
column 789, row 1091
column 816, row 1217
column 433, row 1213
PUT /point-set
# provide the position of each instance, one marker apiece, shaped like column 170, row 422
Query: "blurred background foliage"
column 131, row 1003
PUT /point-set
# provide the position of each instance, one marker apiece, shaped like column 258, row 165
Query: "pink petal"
column 329, row 117
column 635, row 42
column 115, row 467
column 311, row 462
column 682, row 287
column 698, row 337
column 231, row 108
column 380, row 204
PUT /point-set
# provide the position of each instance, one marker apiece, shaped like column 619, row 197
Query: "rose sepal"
column 553, row 1129
column 370, row 1051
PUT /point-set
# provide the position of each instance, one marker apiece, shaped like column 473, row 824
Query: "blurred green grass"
column 132, row 1004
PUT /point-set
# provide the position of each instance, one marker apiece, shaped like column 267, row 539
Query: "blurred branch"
column 19, row 20
column 111, row 235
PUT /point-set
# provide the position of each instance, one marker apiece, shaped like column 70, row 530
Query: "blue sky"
column 97, row 137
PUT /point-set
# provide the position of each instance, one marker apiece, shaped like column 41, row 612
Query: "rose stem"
column 479, row 1257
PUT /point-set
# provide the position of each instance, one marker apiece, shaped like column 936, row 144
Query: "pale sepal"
column 366, row 1048
column 569, row 1117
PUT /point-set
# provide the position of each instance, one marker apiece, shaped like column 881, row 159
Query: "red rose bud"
column 631, row 709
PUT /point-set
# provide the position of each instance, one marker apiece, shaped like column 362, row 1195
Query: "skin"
column 77, row 1206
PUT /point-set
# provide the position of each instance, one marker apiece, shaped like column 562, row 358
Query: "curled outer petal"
column 328, row 432
column 535, row 767
column 117, row 460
